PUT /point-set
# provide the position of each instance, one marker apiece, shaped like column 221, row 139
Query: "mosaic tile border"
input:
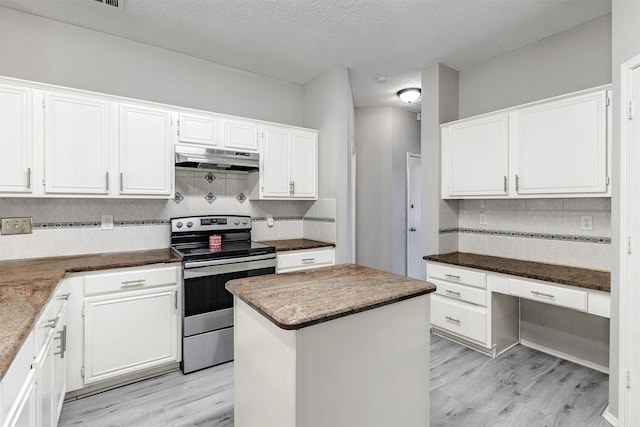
column 66, row 225
column 531, row 235
column 96, row 224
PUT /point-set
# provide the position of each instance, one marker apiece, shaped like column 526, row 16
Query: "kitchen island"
column 343, row 345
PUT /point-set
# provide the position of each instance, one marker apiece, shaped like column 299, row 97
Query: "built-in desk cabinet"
column 558, row 147
column 481, row 309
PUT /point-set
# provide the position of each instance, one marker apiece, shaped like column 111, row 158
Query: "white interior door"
column 414, row 241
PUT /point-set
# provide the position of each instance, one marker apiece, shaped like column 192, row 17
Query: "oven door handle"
column 227, row 261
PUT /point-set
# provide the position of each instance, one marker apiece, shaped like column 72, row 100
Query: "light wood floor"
column 522, row 387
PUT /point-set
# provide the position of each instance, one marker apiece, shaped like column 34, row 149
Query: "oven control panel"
column 211, row 223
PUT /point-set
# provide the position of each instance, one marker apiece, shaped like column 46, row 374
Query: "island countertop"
column 300, row 299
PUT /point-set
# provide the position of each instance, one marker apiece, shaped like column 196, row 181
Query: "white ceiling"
column 297, row 40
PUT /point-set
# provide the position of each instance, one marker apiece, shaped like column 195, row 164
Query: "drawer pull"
column 64, row 297
column 541, row 294
column 452, row 276
column 454, row 293
column 132, row 283
column 451, row 319
column 308, row 260
column 51, row 323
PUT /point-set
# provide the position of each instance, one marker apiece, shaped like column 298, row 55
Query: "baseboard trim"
column 451, row 337
column 608, row 416
column 565, row 356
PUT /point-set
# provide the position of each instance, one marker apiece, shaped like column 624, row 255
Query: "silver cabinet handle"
column 29, row 178
column 64, row 297
column 107, row 174
column 517, row 183
column 541, row 294
column 121, row 181
column 51, row 323
column 451, row 319
column 454, row 293
column 308, row 260
column 452, row 276
column 62, row 346
column 506, row 184
column 293, row 187
column 133, row 283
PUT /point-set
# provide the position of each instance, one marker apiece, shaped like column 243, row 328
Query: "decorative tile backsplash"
column 72, row 226
column 544, row 230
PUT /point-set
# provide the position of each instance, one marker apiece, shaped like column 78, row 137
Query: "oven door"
column 208, row 306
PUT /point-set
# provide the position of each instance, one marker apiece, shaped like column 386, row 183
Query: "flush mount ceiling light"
column 409, row 95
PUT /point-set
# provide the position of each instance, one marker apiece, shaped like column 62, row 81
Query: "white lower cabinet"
column 131, row 321
column 305, row 259
column 34, row 386
column 460, row 318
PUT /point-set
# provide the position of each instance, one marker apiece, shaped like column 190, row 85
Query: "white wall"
column 383, row 137
column 48, row 51
column 328, row 107
column 405, row 138
column 373, row 136
column 575, row 59
column 439, row 105
column 625, row 45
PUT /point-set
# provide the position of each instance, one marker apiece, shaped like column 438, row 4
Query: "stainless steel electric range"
column 207, row 307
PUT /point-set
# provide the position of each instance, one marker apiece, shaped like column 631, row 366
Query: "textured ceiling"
column 297, row 40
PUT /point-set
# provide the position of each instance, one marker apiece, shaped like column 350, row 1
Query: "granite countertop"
column 26, row 286
column 581, row 277
column 304, row 298
column 297, row 244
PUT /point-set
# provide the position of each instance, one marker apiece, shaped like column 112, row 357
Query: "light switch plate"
column 269, row 220
column 16, row 226
column 483, row 219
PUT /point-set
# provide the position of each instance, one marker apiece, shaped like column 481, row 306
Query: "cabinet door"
column 24, row 412
column 146, row 151
column 129, row 331
column 76, row 144
column 475, row 157
column 241, row 134
column 198, row 130
column 59, row 349
column 561, row 146
column 45, row 365
column 304, row 164
column 275, row 163
column 16, row 142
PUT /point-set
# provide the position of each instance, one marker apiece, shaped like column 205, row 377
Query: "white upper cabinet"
column 275, row 163
column 241, row 135
column 561, row 146
column 304, row 164
column 288, row 165
column 200, row 130
column 146, row 151
column 16, row 141
column 76, row 144
column 553, row 148
column 475, row 157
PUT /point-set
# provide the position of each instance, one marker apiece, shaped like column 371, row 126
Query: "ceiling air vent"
column 114, row 3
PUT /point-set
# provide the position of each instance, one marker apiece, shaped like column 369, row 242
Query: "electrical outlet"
column 586, row 223
column 269, row 220
column 106, row 222
column 16, row 226
column 483, row 219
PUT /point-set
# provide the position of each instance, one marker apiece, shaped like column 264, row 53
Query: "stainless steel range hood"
column 210, row 158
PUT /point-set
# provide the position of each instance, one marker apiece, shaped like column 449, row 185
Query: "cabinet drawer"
column 458, row 275
column 461, row 292
column 300, row 260
column 132, row 279
column 468, row 321
column 550, row 294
